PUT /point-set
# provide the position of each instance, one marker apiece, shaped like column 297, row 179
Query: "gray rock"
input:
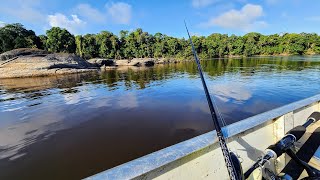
column 166, row 61
column 22, row 52
column 162, row 61
column 52, row 64
column 136, row 62
column 101, row 62
column 65, row 60
column 122, row 62
column 142, row 61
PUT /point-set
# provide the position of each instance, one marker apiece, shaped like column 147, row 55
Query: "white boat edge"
column 201, row 157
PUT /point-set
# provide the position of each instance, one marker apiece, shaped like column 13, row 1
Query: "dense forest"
column 141, row 44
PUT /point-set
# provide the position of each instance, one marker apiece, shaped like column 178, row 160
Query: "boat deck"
column 314, row 161
column 201, row 157
column 306, row 149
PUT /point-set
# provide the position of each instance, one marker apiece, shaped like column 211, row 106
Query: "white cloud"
column 90, row 13
column 120, row 12
column 77, row 20
column 30, row 14
column 313, row 18
column 60, row 20
column 27, row 11
column 203, row 3
column 245, row 19
column 85, row 14
column 2, row 23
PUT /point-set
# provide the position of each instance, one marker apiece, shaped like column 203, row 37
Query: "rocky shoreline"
column 28, row 62
column 32, row 62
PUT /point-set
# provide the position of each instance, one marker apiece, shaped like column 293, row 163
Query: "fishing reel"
column 286, row 145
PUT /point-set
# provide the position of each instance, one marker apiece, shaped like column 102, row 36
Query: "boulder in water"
column 136, row 62
column 98, row 62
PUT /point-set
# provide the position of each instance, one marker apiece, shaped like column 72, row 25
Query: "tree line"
column 140, row 44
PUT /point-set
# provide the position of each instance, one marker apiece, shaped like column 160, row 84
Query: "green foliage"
column 60, row 40
column 89, row 46
column 140, row 44
column 251, row 46
column 43, row 39
column 79, row 41
column 107, row 44
column 13, row 36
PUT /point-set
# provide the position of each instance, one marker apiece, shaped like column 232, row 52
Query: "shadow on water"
column 71, row 127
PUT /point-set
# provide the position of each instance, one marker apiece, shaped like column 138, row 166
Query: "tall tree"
column 43, row 39
column 251, row 44
column 139, row 44
column 60, row 40
column 108, row 44
column 14, row 36
column 79, row 41
column 90, row 48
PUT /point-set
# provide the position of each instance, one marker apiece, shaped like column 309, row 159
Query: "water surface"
column 71, row 127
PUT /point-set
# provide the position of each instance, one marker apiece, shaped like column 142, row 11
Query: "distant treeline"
column 139, row 44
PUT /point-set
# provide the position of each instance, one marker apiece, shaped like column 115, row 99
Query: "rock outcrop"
column 98, row 62
column 136, row 62
column 52, row 64
column 28, row 62
column 65, row 60
column 22, row 52
column 166, row 61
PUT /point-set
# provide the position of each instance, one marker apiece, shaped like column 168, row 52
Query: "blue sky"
column 166, row 16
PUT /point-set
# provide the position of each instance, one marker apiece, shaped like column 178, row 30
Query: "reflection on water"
column 70, row 127
column 237, row 94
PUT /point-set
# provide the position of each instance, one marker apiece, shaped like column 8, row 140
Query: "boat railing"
column 200, row 157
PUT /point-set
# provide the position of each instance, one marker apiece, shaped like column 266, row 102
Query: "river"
column 71, row 127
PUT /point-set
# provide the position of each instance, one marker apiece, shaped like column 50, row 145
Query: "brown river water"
column 71, row 127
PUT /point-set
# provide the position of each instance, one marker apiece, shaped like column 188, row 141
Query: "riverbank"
column 27, row 62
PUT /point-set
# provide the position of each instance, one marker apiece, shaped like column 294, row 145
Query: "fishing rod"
column 232, row 162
